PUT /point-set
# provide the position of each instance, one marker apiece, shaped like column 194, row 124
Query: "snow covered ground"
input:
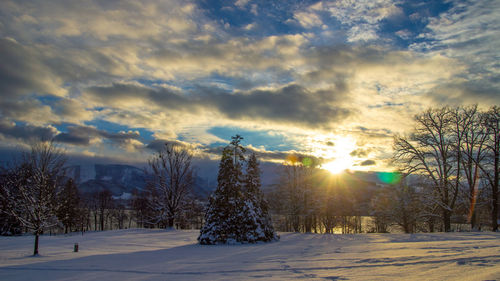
column 139, row 254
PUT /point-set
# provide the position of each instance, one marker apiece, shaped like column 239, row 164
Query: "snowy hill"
column 140, row 254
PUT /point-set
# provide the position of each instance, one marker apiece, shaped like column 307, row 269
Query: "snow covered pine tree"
column 258, row 225
column 237, row 212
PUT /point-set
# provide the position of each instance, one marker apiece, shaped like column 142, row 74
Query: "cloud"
column 308, row 19
column 173, row 68
column 360, row 152
column 29, row 110
column 360, row 18
column 71, row 111
column 239, row 56
column 27, row 132
column 241, row 3
column 101, row 20
column 159, row 144
column 290, row 104
column 468, row 33
column 135, row 95
column 22, row 72
column 368, row 163
column 83, row 135
column 74, row 139
column 265, row 155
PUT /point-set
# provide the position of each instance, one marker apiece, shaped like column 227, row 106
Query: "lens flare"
column 389, row 177
column 292, row 159
column 307, row 162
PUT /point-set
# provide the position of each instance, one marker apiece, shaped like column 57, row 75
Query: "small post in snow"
column 75, row 248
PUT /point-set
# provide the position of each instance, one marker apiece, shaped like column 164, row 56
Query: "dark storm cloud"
column 291, row 104
column 124, row 93
column 26, row 132
column 81, row 135
column 73, row 139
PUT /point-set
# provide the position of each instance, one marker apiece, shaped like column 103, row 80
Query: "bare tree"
column 171, row 178
column 105, row 205
column 470, row 137
column 32, row 188
column 68, row 207
column 402, row 206
column 430, row 151
column 293, row 191
column 120, row 215
column 491, row 167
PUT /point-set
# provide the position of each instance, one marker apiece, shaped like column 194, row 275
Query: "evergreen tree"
column 257, row 222
column 235, row 213
column 221, row 217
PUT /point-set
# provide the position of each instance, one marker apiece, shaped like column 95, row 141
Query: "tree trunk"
column 494, row 210
column 447, row 220
column 494, row 195
column 95, row 220
column 431, row 224
column 101, row 220
column 473, row 219
column 35, row 251
column 170, row 222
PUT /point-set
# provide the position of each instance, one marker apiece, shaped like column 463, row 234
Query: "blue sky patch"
column 271, row 142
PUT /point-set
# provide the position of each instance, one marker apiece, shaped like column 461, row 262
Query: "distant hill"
column 122, row 180
column 119, row 179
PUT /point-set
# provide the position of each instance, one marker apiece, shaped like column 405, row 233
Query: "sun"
column 338, row 165
column 341, row 150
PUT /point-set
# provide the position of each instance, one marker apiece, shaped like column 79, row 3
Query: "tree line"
column 455, row 151
column 37, row 196
column 447, row 174
column 448, row 169
column 309, row 199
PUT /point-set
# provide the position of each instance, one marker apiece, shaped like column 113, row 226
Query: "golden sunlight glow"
column 341, row 150
column 334, row 167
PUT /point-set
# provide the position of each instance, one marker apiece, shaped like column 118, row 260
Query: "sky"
column 335, row 80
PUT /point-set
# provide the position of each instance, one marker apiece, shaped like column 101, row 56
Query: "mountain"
column 119, row 179
column 122, row 180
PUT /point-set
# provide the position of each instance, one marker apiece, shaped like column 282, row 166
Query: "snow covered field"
column 140, row 254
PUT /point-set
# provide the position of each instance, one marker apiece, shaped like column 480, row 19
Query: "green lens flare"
column 307, row 161
column 389, row 177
